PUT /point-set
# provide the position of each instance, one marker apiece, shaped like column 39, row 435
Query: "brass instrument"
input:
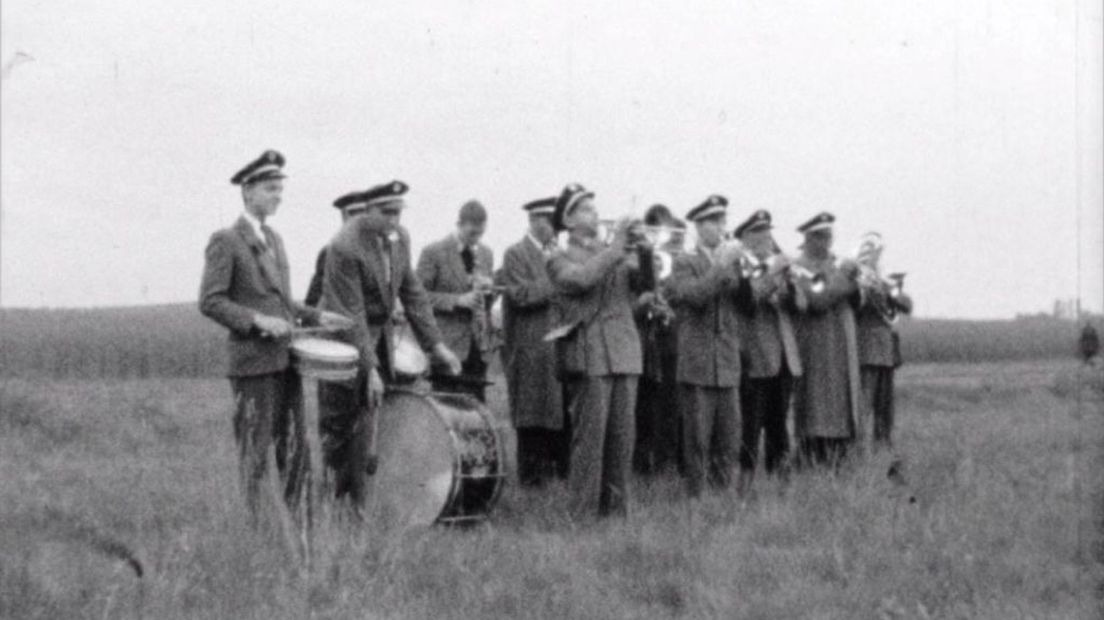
column 881, row 292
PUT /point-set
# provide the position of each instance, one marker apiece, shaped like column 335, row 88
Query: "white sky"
column 950, row 126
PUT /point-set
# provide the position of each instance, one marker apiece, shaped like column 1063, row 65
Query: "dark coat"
column 241, row 279
column 528, row 361
column 704, row 297
column 314, row 291
column 597, row 287
column 826, row 397
column 355, row 284
column 441, row 271
column 766, row 328
column 875, row 331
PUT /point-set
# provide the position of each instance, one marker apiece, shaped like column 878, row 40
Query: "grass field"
column 1002, row 518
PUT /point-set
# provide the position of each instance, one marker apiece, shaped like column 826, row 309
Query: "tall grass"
column 1000, row 520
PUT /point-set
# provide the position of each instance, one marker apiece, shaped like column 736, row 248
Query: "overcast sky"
column 967, row 132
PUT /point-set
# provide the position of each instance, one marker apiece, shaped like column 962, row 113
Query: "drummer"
column 245, row 288
column 367, row 272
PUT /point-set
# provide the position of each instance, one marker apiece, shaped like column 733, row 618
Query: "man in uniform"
column 536, row 403
column 314, row 291
column 246, row 289
column 770, row 358
column 703, row 289
column 826, row 396
column 457, row 272
column 368, row 269
column 598, row 349
column 877, row 340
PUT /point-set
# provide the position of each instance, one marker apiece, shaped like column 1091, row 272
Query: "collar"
column 460, row 243
column 537, row 244
column 255, row 224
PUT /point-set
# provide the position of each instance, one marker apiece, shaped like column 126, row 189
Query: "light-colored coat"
column 704, row 298
column 826, row 397
column 241, row 279
column 356, row 285
column 597, row 287
column 441, row 271
column 527, row 315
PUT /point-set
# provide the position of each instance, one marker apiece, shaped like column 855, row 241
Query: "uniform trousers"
column 602, row 435
column 710, row 426
column 877, row 401
column 345, row 429
column 269, row 412
column 764, row 403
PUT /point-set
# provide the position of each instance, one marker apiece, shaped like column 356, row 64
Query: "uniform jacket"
column 441, row 270
column 597, row 287
column 527, row 315
column 826, row 399
column 356, row 284
column 241, row 279
column 704, row 298
column 875, row 332
column 314, row 291
column 766, row 330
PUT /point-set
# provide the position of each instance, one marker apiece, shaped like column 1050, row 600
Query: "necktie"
column 468, row 257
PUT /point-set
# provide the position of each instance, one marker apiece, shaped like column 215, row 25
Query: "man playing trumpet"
column 703, row 290
column 879, row 348
column 770, row 360
column 598, row 348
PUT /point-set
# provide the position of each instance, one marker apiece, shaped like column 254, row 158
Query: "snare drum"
column 326, row 360
column 441, row 459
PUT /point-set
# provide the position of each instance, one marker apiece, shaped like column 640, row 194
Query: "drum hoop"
column 457, row 463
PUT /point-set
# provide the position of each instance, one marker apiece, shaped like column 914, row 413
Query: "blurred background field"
column 1001, row 519
column 176, row 341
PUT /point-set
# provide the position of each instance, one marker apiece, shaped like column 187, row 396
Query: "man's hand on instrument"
column 375, row 389
column 621, row 233
column 849, row 268
column 469, row 300
column 778, row 263
column 271, row 326
column 482, row 283
column 334, row 320
column 447, row 357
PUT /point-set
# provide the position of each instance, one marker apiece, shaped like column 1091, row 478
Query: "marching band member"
column 536, row 402
column 246, row 289
column 826, row 396
column 657, row 420
column 598, row 349
column 703, row 289
column 458, row 274
column 368, row 270
column 314, row 290
column 879, row 352
column 771, row 360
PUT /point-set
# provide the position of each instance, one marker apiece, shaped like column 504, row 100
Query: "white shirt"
column 256, row 224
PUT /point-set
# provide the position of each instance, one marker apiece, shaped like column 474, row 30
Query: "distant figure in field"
column 246, row 289
column 1090, row 343
column 879, row 348
column 827, row 395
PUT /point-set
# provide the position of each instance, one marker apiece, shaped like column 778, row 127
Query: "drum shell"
column 441, row 458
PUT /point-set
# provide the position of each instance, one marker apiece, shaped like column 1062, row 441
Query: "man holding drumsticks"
column 246, row 289
column 368, row 269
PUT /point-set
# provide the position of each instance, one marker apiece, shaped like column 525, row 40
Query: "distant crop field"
column 1000, row 518
column 176, row 341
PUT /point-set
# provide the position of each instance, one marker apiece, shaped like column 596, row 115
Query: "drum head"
column 414, row 479
column 322, row 350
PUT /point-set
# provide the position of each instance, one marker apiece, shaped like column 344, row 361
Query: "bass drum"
column 441, row 459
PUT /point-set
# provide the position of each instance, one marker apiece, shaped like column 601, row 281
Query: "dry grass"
column 1003, row 462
